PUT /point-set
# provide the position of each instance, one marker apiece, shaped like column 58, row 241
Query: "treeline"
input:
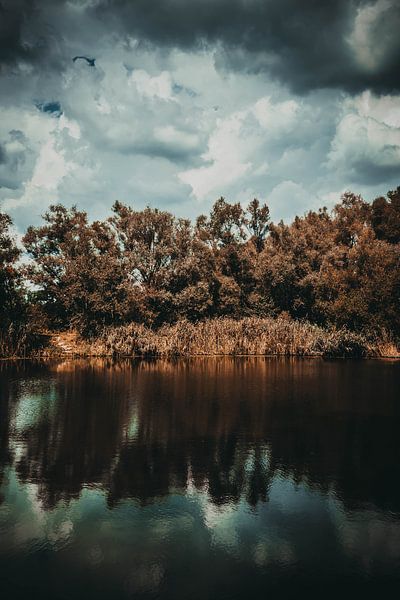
column 333, row 269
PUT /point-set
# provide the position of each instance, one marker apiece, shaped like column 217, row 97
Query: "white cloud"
column 367, row 136
column 289, row 199
column 234, row 148
column 329, row 199
column 71, row 126
column 262, row 169
column 276, row 118
column 227, row 152
column 384, row 109
column 51, row 165
column 22, row 134
column 159, row 86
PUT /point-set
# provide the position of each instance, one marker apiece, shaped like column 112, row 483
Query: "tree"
column 14, row 331
column 49, row 246
column 351, row 216
column 167, row 268
column 146, row 239
column 10, row 277
column 224, row 226
column 76, row 269
column 385, row 217
column 289, row 265
column 359, row 286
column 256, row 222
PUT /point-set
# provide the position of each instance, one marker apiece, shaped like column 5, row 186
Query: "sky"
column 179, row 102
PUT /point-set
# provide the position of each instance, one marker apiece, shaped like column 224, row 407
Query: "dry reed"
column 230, row 337
column 250, row 336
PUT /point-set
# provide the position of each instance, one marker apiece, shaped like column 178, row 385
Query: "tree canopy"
column 147, row 266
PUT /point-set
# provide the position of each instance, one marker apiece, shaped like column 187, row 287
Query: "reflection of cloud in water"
column 60, row 533
column 222, row 521
column 266, row 531
column 367, row 536
column 32, row 408
column 135, row 544
column 32, row 525
column 165, row 525
column 131, row 429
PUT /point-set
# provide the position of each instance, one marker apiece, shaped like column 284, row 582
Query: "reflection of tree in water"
column 332, row 425
column 216, row 465
column 195, row 425
column 76, row 442
column 141, row 430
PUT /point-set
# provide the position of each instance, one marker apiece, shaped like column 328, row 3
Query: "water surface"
column 209, row 478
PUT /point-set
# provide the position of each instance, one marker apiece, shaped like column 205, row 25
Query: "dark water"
column 211, row 478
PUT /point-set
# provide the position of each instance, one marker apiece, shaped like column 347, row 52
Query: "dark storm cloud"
column 23, row 34
column 13, row 16
column 30, row 33
column 306, row 45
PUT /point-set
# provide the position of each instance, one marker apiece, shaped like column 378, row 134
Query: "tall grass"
column 250, row 336
column 230, row 337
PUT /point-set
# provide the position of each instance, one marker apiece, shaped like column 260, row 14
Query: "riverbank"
column 222, row 337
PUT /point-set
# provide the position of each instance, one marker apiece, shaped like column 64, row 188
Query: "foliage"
column 333, row 270
column 385, row 217
column 10, row 297
column 77, row 270
column 14, row 331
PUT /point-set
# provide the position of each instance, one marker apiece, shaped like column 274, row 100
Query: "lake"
column 209, row 478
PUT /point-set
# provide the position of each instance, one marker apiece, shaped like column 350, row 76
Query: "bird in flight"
column 90, row 61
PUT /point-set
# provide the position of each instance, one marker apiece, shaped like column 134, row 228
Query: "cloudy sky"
column 183, row 101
